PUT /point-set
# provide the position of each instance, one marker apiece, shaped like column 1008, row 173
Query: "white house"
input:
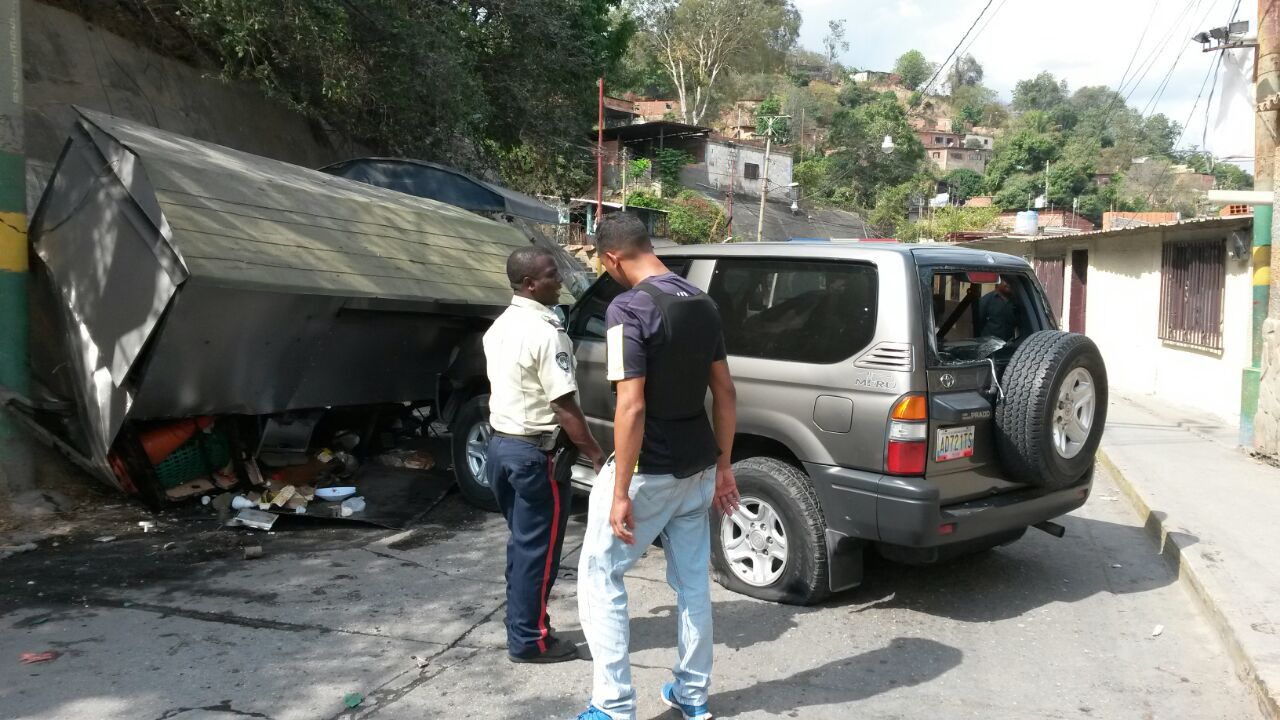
column 1170, row 306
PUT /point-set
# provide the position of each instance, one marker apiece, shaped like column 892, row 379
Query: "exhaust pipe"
column 1051, row 527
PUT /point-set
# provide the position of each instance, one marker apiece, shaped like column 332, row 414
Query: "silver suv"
column 914, row 398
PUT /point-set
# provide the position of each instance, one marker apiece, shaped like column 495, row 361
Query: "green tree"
column 913, row 68
column 1043, row 92
column 966, row 71
column 699, row 42
column 768, row 120
column 964, row 183
column 669, row 162
column 834, row 43
column 1027, row 147
column 943, row 221
column 857, row 134
column 692, row 219
column 457, row 83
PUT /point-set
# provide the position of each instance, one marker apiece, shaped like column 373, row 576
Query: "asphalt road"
column 1043, row 628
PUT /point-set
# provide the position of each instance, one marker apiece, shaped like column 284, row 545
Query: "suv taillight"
column 907, row 450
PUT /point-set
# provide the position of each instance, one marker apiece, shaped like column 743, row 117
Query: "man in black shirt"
column 665, row 350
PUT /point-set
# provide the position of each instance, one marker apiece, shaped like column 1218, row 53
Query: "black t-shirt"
column 634, row 331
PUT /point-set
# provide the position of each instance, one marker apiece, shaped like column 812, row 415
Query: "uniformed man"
column 670, row 465
column 996, row 313
column 532, row 396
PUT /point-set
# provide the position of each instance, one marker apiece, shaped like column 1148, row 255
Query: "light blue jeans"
column 677, row 510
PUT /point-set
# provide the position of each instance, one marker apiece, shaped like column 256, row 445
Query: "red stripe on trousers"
column 551, row 551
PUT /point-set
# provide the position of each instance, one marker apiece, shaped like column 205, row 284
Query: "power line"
column 1142, row 38
column 957, row 47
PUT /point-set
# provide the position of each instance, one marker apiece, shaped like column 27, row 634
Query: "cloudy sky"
column 1085, row 42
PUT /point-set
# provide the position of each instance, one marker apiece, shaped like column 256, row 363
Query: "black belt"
column 543, row 441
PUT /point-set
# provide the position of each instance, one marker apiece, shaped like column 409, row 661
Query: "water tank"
column 1026, row 222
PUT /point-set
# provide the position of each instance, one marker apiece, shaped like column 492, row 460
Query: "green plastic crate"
column 201, row 456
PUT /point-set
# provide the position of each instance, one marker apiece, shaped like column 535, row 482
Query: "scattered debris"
column 335, row 493
column 1157, row 631
column 352, row 700
column 169, row 546
column 9, row 550
column 252, row 552
column 189, row 490
column 255, row 519
column 240, row 502
column 352, row 506
column 1116, row 565
column 422, row 663
column 412, row 459
column 42, row 657
column 105, row 538
column 147, row 526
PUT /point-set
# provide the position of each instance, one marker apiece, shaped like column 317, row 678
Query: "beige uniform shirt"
column 530, row 363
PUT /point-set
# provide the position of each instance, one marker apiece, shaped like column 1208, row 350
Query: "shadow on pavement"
column 1009, row 581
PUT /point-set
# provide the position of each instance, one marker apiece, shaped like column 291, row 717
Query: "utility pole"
column 800, row 136
column 1260, row 388
column 764, row 172
column 599, row 160
column 16, row 471
column 624, row 177
column 733, row 172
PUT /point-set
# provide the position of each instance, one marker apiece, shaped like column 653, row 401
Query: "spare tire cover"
column 1050, row 421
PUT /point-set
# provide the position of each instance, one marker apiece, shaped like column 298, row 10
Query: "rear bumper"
column 908, row 511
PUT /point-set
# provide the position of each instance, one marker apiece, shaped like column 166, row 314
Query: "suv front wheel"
column 471, row 433
column 774, row 547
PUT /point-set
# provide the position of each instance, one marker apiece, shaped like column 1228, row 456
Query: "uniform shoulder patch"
column 562, row 359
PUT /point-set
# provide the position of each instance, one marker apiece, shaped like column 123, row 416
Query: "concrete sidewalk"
column 1212, row 508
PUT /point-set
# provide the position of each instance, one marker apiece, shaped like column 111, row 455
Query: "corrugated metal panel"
column 1192, row 282
column 249, row 221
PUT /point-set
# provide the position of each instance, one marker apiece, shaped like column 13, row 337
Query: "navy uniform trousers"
column 537, row 512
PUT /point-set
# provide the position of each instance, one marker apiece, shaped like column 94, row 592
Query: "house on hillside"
column 651, row 110
column 1169, row 304
column 619, row 111
column 718, row 162
column 876, row 77
column 739, row 165
column 948, row 151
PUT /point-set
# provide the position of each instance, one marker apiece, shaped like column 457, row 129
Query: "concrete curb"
column 1173, row 548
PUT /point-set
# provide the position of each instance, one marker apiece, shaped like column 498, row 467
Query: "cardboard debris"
column 412, row 459
column 189, row 490
column 255, row 519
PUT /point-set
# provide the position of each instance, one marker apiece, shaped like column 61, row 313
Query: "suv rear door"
column 968, row 345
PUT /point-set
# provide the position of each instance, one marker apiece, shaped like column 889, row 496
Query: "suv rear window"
column 803, row 311
column 979, row 314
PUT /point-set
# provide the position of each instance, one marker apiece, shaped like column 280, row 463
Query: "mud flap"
column 844, row 561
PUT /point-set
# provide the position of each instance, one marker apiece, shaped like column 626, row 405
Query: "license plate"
column 955, row 443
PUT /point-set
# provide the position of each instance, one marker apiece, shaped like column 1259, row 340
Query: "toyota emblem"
column 947, row 380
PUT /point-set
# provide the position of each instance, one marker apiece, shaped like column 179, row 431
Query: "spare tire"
column 1050, row 420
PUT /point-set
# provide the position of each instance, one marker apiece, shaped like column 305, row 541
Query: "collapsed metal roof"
column 250, row 221
column 176, row 278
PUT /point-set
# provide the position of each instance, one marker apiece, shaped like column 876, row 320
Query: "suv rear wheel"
column 470, row 445
column 774, row 547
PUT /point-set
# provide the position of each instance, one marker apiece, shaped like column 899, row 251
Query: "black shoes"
column 557, row 651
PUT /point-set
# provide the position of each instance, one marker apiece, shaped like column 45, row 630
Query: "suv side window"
column 802, row 311
column 588, row 317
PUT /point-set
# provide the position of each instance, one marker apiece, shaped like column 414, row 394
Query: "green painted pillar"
column 15, row 451
column 1252, row 377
